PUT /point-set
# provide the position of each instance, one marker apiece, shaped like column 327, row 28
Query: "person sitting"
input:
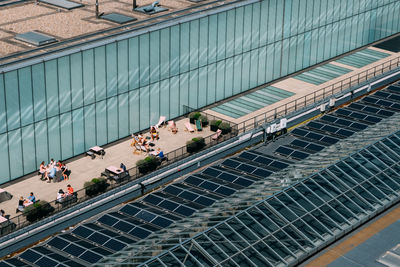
column 20, row 204
column 2, row 213
column 60, row 195
column 174, row 129
column 70, row 190
column 122, row 166
column 32, row 198
column 52, row 174
column 65, row 172
column 160, row 154
column 43, row 171
column 153, row 133
column 52, row 163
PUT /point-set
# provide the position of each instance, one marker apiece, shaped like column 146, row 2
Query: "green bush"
column 225, row 127
column 194, row 116
column 95, row 186
column 214, row 125
column 148, row 164
column 38, row 210
column 204, row 120
column 195, row 144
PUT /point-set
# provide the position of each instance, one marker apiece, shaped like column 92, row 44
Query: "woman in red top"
column 70, row 190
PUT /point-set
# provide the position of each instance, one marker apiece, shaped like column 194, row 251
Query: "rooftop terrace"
column 18, row 17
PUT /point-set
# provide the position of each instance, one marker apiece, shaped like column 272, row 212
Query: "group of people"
column 140, row 140
column 48, row 172
column 61, row 195
column 24, row 202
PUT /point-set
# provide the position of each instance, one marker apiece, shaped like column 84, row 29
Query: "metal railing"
column 20, row 221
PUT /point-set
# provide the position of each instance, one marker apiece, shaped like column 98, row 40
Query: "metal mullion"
column 310, row 214
column 387, row 176
column 238, row 250
column 325, row 203
column 297, row 206
column 358, row 184
column 380, row 143
column 350, row 189
column 343, row 194
column 366, row 179
column 202, row 250
column 388, row 148
column 295, row 228
column 271, row 233
column 173, row 256
column 271, row 249
column 212, row 241
column 188, row 254
column 335, row 198
column 298, row 219
column 160, row 262
column 260, row 240
column 384, row 155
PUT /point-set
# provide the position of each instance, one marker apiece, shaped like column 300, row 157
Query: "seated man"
column 52, row 174
column 123, row 167
column 70, row 190
column 32, row 198
column 160, row 154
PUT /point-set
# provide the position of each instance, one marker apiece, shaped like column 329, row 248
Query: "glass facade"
column 61, row 107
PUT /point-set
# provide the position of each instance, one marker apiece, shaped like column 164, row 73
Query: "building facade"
column 61, row 105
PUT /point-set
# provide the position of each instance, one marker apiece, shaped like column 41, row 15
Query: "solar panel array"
column 136, row 221
column 283, row 229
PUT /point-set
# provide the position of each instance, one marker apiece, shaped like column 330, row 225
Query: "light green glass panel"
column 239, row 30
column 12, row 100
column 194, row 44
column 123, row 111
column 78, row 135
column 133, row 63
column 174, row 96
column 123, row 66
column 3, row 118
column 212, row 38
column 111, row 69
column 51, row 88
column 164, row 55
column 101, row 122
column 228, row 77
column 66, row 136
column 76, row 80
column 221, row 42
column 25, row 95
column 174, row 50
column 220, row 81
column 154, row 56
column 41, row 142
column 4, row 162
column 64, row 84
column 184, row 47
column 193, row 88
column 28, row 148
column 112, row 119
column 53, row 133
column 245, row 72
column 203, row 44
column 183, row 91
column 247, row 23
column 144, row 106
column 154, row 103
column 255, row 27
column 88, row 76
column 164, row 96
column 237, row 74
column 134, row 115
column 90, row 126
column 230, row 33
column 100, row 73
column 211, row 83
column 15, row 153
column 202, row 93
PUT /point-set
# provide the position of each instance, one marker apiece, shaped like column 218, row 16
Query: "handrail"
column 20, row 221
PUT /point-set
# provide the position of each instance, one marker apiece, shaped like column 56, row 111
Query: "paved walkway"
column 84, row 169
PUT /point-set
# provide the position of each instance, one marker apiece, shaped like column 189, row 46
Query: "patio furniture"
column 160, row 122
column 217, row 134
column 4, row 195
column 189, row 127
column 97, row 150
column 198, row 125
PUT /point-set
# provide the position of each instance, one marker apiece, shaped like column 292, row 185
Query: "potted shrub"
column 148, row 164
column 95, row 186
column 204, row 120
column 195, row 144
column 214, row 125
column 225, row 127
column 194, row 116
column 38, row 210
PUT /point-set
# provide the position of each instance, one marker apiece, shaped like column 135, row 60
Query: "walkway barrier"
column 296, row 105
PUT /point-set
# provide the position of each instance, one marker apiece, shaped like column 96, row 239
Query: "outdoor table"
column 4, row 195
column 28, row 203
column 114, row 170
column 96, row 149
column 2, row 219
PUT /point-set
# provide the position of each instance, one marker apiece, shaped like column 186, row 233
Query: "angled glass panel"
column 300, row 200
column 290, row 204
column 325, row 220
column 221, row 242
column 197, row 254
column 256, row 258
column 267, row 252
column 279, row 207
column 332, row 214
column 262, row 219
column 210, row 248
column 315, row 225
column 362, row 192
column 306, row 230
column 242, row 230
column 346, row 213
column 235, row 239
column 366, row 164
column 184, row 257
column 252, row 225
column 311, row 197
column 317, row 190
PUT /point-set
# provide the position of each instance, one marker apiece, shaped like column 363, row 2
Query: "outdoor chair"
column 161, row 121
column 198, row 125
column 217, row 134
column 189, row 127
